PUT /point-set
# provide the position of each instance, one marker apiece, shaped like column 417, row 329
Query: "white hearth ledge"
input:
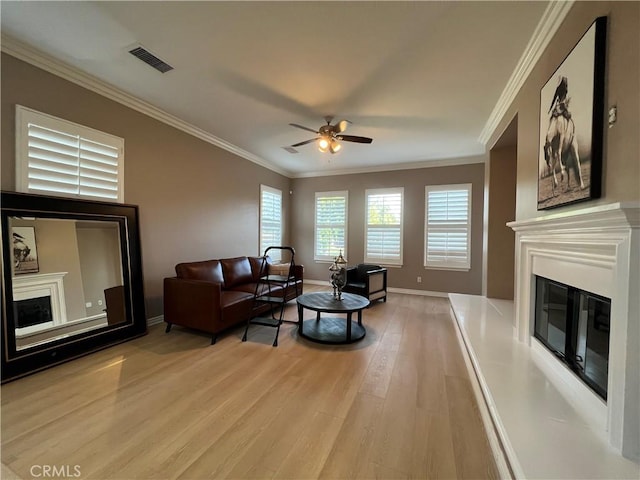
column 596, row 249
column 542, row 434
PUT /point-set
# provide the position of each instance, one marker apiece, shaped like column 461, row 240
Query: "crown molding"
column 450, row 162
column 39, row 59
column 553, row 16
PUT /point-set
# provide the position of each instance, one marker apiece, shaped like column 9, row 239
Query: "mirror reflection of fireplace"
column 574, row 325
column 33, row 311
column 54, row 304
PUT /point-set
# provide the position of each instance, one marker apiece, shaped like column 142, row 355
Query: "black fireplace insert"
column 32, row 311
column 574, row 325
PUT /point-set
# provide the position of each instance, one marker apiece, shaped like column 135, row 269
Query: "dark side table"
column 330, row 329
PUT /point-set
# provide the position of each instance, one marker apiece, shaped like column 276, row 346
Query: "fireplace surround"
column 595, row 249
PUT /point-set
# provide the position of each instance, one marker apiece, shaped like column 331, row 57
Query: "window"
column 331, row 225
column 57, row 157
column 383, row 243
column 270, row 220
column 448, row 226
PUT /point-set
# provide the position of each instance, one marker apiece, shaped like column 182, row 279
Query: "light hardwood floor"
column 398, row 404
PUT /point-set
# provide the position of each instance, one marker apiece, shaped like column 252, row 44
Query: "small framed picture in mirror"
column 25, row 251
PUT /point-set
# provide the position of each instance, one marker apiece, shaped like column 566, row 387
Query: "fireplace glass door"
column 574, row 325
column 592, row 349
column 552, row 300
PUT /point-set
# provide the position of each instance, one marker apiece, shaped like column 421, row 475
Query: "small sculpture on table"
column 338, row 271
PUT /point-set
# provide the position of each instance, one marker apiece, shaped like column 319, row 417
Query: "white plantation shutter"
column 331, row 225
column 383, row 244
column 270, row 220
column 57, row 157
column 448, row 226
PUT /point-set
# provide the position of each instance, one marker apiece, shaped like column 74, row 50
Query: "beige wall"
column 100, row 262
column 414, row 182
column 196, row 201
column 501, row 209
column 621, row 162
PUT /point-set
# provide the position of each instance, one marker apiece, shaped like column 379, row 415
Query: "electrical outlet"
column 88, row 304
column 419, row 279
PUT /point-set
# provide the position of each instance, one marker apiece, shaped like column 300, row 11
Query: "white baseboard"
column 424, row 293
column 406, row 291
column 155, row 320
column 324, row 283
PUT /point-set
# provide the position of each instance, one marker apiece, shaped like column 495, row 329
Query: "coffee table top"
column 325, row 302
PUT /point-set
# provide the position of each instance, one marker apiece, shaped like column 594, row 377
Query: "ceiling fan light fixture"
column 328, row 137
column 323, row 144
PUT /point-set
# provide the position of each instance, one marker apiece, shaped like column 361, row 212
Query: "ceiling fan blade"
column 303, row 127
column 304, row 143
column 353, row 138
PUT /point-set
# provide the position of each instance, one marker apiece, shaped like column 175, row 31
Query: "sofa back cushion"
column 208, row 271
column 256, row 264
column 236, row 271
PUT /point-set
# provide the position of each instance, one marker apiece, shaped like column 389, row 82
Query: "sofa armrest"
column 298, row 271
column 193, row 303
column 377, row 270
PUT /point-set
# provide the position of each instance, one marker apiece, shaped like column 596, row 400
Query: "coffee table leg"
column 360, row 317
column 300, row 322
column 349, row 327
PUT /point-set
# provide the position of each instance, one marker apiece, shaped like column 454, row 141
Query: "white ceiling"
column 420, row 78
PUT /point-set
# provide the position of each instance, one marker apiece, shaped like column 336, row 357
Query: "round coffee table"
column 330, row 329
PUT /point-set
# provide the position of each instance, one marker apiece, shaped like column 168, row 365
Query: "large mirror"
column 72, row 279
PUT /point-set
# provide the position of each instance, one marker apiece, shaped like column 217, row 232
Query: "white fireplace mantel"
column 596, row 249
column 37, row 285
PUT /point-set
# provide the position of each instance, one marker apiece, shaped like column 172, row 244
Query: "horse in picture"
column 561, row 150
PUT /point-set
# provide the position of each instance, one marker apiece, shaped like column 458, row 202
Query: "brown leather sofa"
column 214, row 295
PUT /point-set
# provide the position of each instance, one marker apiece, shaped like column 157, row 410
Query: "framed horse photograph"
column 572, row 124
column 25, row 253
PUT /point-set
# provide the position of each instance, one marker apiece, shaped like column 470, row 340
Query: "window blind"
column 330, row 225
column 61, row 158
column 448, row 226
column 270, row 220
column 383, row 243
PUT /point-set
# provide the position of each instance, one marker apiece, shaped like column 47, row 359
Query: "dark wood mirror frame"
column 17, row 363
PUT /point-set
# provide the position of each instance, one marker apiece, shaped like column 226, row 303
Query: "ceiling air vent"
column 150, row 59
column 290, row 149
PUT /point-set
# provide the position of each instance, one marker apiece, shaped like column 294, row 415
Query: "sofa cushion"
column 275, row 288
column 256, row 265
column 236, row 307
column 207, row 271
column 236, row 271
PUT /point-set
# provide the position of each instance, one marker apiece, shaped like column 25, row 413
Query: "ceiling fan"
column 329, row 136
